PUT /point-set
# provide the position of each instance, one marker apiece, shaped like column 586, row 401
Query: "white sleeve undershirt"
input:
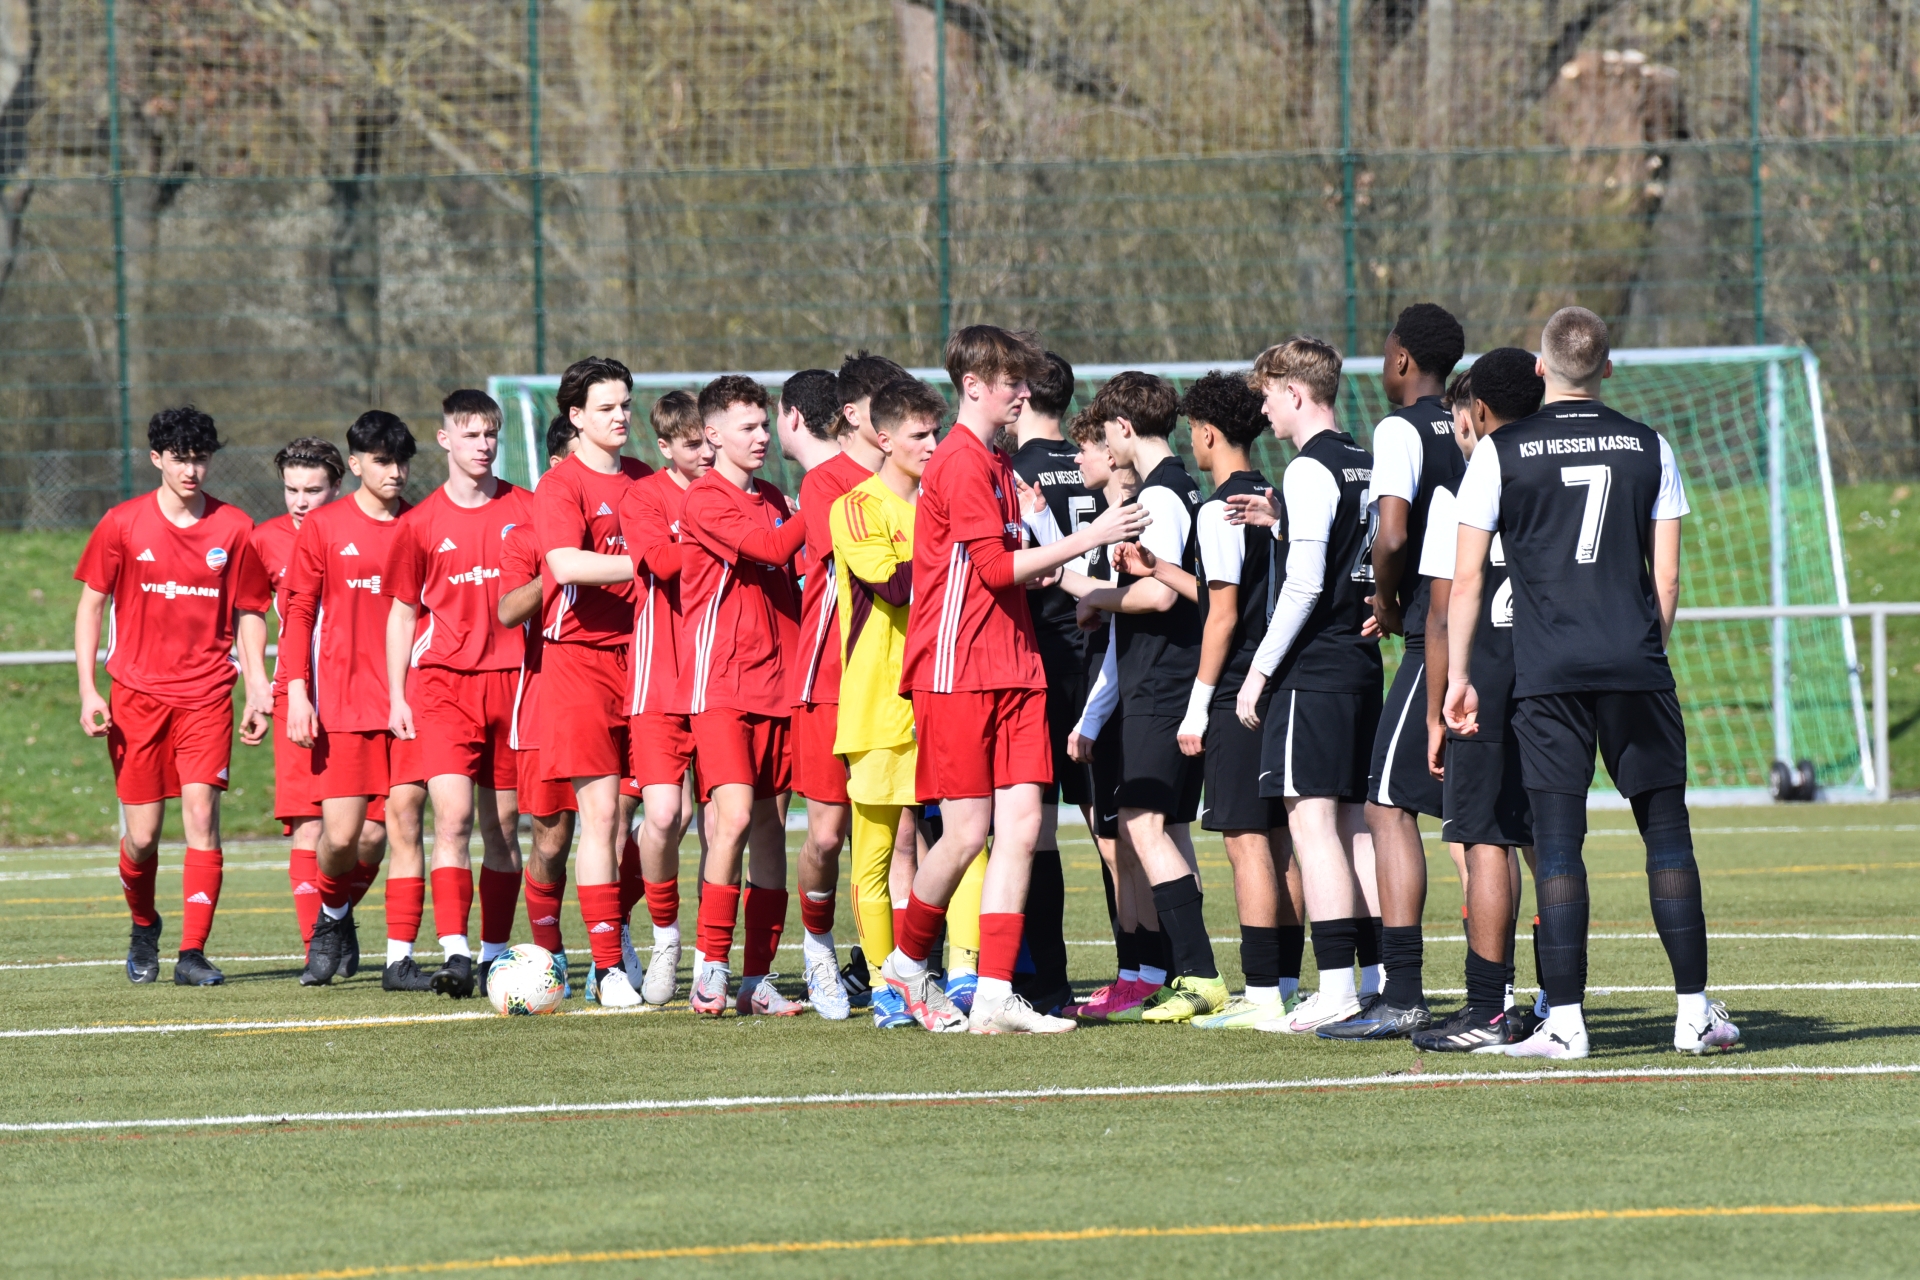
column 1312, row 496
column 1671, row 503
column 1397, row 459
column 1166, row 537
column 1105, row 694
column 1478, row 502
column 1223, row 546
column 1443, row 532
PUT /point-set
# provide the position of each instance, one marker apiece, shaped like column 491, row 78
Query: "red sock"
column 632, row 887
column 452, row 901
column 200, row 885
column 816, row 916
column 406, row 899
column 336, row 891
column 499, row 901
column 136, row 881
column 915, row 928
column 361, row 879
column 543, row 912
column 766, row 919
column 303, row 875
column 663, row 901
column 600, row 908
column 713, row 935
column 1000, row 943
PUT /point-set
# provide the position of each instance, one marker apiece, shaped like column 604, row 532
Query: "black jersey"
column 1052, row 467
column 1493, row 646
column 1332, row 492
column 1415, row 453
column 1573, row 491
column 1241, row 554
column 1158, row 654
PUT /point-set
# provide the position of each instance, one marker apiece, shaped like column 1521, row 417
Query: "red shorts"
column 740, row 747
column 659, row 749
column 350, row 764
column 155, row 748
column 583, row 711
column 406, row 765
column 818, row 774
column 972, row 744
column 539, row 795
column 294, row 798
column 464, row 724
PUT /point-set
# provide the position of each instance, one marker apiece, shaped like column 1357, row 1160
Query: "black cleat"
column 481, row 968
column 1469, row 1031
column 857, row 979
column 405, row 975
column 143, row 952
column 349, row 946
column 1049, row 1001
column 1525, row 1021
column 455, row 977
column 192, row 969
column 1380, row 1021
column 325, row 950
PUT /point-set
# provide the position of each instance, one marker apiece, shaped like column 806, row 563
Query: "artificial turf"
column 1052, row 1176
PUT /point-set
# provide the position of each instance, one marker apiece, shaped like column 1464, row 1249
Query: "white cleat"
column 825, row 992
column 1014, row 1016
column 616, row 992
column 1715, row 1034
column 1316, row 1011
column 759, row 998
column 662, row 982
column 925, row 1000
column 1547, row 1043
column 630, row 959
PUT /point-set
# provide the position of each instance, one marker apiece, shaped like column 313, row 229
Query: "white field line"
column 645, row 1105
column 93, row 873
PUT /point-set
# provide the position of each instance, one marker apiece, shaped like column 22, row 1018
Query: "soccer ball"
column 525, row 979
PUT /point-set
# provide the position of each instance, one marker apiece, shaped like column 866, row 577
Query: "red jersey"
column 650, row 521
column 447, row 565
column 576, row 506
column 173, row 593
column 741, row 615
column 963, row 636
column 273, row 543
column 519, row 565
column 336, row 631
column 816, row 672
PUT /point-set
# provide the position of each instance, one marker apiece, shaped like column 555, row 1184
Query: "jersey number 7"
column 1597, row 480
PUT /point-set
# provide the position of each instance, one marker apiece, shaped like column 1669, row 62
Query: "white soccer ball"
column 525, row 979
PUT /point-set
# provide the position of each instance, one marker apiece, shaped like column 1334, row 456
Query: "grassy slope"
column 279, row 1198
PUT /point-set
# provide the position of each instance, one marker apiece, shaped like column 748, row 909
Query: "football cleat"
column 324, row 951
column 1548, row 1043
column 1469, row 1031
column 566, row 983
column 593, row 983
column 143, row 953
column 192, row 969
column 762, row 999
column 662, row 980
column 1184, row 999
column 615, row 991
column 349, row 948
column 1242, row 1014
column 1312, row 1013
column 405, row 975
column 709, row 995
column 889, row 1010
column 960, row 986
column 824, row 992
column 1116, row 998
column 481, row 968
column 1052, row 1000
column 857, row 979
column 925, row 1000
column 630, row 960
column 1717, row 1033
column 1014, row 1016
column 1380, row 1021
column 454, row 977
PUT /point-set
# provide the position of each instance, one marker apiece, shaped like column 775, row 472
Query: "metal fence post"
column 118, row 182
column 1777, row 555
column 1347, row 161
column 538, row 191
column 1882, row 751
column 1754, row 178
column 944, row 168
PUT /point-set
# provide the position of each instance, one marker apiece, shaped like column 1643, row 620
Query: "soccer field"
column 265, row 1129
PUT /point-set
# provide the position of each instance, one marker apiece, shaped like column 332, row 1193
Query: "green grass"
column 308, row 1196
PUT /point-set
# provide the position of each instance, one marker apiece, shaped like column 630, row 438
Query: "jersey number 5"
column 1597, row 480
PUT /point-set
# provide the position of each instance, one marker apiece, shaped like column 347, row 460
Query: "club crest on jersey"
column 146, row 556
column 506, row 529
column 217, row 558
column 446, row 544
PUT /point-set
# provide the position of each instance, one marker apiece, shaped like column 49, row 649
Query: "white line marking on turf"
column 644, row 1105
column 97, row 873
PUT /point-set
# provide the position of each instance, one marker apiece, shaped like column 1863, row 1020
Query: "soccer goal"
column 1767, row 702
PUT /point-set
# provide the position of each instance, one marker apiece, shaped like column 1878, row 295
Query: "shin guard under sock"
column 916, row 928
column 303, row 877
column 1366, row 943
column 200, row 887
column 1673, row 885
column 765, row 918
column 499, row 903
column 406, row 903
column 543, row 911
column 1335, row 943
column 816, row 914
column 1293, row 947
column 137, row 880
column 1000, row 933
column 1178, row 903
column 336, row 892
column 1260, row 955
column 714, row 922
column 361, row 879
column 663, row 902
column 1402, row 953
column 600, row 912
column 452, row 901
column 1486, row 984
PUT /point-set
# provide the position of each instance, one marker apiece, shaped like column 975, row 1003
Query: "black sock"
column 1673, row 885
column 1126, row 948
column 1508, row 965
column 1260, row 955
column 1178, row 903
column 1334, row 944
column 1293, row 945
column 1113, row 904
column 1046, row 936
column 1560, row 889
column 1486, row 984
column 1162, row 949
column 1401, row 952
column 1367, row 942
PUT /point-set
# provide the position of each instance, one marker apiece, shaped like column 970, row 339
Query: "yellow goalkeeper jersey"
column 873, row 560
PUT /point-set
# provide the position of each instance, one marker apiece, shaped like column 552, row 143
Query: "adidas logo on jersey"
column 602, row 927
column 146, row 555
column 604, row 510
column 201, row 899
column 349, row 550
column 446, row 544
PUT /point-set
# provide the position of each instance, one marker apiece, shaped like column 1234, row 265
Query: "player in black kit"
column 1588, row 505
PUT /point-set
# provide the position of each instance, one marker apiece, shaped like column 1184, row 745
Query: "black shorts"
column 1155, row 774
column 1486, row 801
column 1233, row 800
column 1103, row 777
column 1318, row 744
column 1397, row 775
column 1640, row 737
column 1066, row 698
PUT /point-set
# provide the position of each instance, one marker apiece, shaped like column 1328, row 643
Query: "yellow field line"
column 569, row 1258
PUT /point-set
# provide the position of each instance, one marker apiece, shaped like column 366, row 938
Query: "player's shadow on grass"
column 265, row 975
column 1759, row 1028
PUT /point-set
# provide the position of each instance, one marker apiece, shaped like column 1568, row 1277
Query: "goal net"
column 1746, row 426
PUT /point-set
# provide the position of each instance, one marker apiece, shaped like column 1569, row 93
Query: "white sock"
column 1156, row 977
column 699, row 960
column 337, row 913
column 398, row 951
column 1289, row 988
column 991, row 991
column 1693, row 1009
column 1261, row 995
column 1565, row 1019
column 817, row 946
column 1337, row 985
column 1129, row 975
column 666, row 935
column 1507, row 1001
column 1372, row 978
column 488, row 950
column 455, row 944
column 903, row 967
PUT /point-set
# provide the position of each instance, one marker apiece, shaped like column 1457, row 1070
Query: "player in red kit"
column 972, row 666
column 333, row 653
column 179, row 569
column 741, row 605
column 587, row 629
column 458, row 701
